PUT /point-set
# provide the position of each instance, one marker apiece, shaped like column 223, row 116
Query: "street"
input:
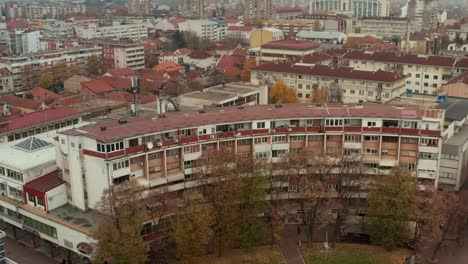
column 25, row 255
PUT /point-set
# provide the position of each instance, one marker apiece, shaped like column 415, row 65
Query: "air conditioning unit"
column 290, row 129
column 176, row 156
column 159, row 144
column 141, row 164
column 212, row 136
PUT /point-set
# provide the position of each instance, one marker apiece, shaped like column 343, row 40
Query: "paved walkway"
column 25, row 255
column 289, row 243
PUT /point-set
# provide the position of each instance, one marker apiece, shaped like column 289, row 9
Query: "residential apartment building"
column 423, row 14
column 385, row 26
column 354, row 8
column 132, row 57
column 203, row 28
column 26, row 70
column 352, row 85
column 39, row 11
column 6, row 81
column 140, row 7
column 239, row 33
column 161, row 151
column 291, row 27
column 258, row 9
column 132, row 31
column 287, row 49
column 426, row 74
column 192, row 8
column 24, row 42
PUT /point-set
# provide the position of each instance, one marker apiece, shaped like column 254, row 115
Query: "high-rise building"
column 24, row 42
column 140, row 7
column 423, row 14
column 354, row 8
column 258, row 9
column 192, row 8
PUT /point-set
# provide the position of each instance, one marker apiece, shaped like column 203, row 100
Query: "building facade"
column 423, row 14
column 258, row 9
column 132, row 31
column 24, row 42
column 140, row 7
column 203, row 28
column 132, row 57
column 385, row 26
column 192, row 8
column 287, row 49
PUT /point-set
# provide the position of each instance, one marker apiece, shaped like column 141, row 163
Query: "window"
column 260, row 124
column 409, row 140
column 31, row 198
column 190, row 149
column 261, row 140
column 137, row 159
column 449, row 156
column 371, row 138
column 188, row 164
column 40, row 201
column 352, row 91
column 153, row 156
column 299, row 95
column 418, row 75
column 370, row 93
column 243, row 142
column 172, row 152
column 224, row 144
column 427, row 155
column 279, row 139
column 41, row 227
column 371, row 123
column 315, row 138
column 436, row 77
column 361, row 92
column 426, row 76
column 352, row 138
column 429, row 142
column 120, row 165
column 334, row 122
column 370, row 151
column 449, row 175
column 262, row 154
column 297, row 138
column 278, row 153
column 352, row 151
column 2, row 171
column 14, row 175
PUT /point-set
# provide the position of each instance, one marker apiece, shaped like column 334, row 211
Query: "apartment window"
column 261, row 140
column 426, row 76
column 434, row 85
column 172, row 152
column 370, row 151
column 279, row 139
column 334, row 138
column 418, row 83
column 260, row 124
column 243, row 142
column 299, row 95
column 352, row 92
column 278, row 153
column 352, row 138
column 418, row 75
column 2, row 171
column 449, row 175
column 14, row 175
column 426, row 84
column 315, row 138
column 262, row 154
column 153, row 156
column 190, row 149
column 371, row 124
column 449, row 156
column 361, row 92
column 334, row 122
column 120, row 165
column 427, row 155
column 409, row 140
column 40, row 201
column 429, row 141
column 226, row 144
column 297, row 138
column 352, row 151
column 189, row 164
column 371, row 138
column 31, row 198
column 411, row 166
column 41, row 227
column 137, row 160
column 436, row 77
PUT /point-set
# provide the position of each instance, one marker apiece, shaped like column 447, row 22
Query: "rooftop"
column 45, row 183
column 152, row 123
column 89, row 219
column 291, row 44
column 321, row 35
column 325, row 70
column 459, row 138
column 240, row 28
column 455, row 108
column 21, row 102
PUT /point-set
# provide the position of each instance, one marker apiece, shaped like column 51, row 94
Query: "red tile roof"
column 230, row 20
column 462, row 78
column 43, row 94
column 200, row 55
column 384, row 47
column 38, row 118
column 97, row 86
column 21, row 102
column 292, row 44
column 393, row 57
column 118, row 82
column 229, row 61
column 17, row 24
column 168, row 66
column 240, row 28
column 229, row 71
column 338, row 72
column 122, row 72
column 152, row 123
column 4, row 71
column 45, row 183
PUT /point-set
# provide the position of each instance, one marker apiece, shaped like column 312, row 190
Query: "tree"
column 249, row 64
column 391, row 203
column 282, row 94
column 193, row 231
column 440, row 216
column 45, row 80
column 95, row 65
column 319, row 95
column 351, row 43
column 119, row 237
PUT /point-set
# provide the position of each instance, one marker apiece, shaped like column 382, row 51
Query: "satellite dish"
column 149, row 145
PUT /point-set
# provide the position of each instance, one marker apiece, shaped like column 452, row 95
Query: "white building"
column 132, row 31
column 354, row 8
column 385, row 26
column 423, row 14
column 203, row 28
column 322, row 36
column 129, row 57
column 25, row 42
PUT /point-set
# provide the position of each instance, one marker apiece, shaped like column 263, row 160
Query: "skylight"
column 32, row 144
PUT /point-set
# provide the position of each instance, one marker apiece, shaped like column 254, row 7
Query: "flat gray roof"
column 455, row 108
column 89, row 219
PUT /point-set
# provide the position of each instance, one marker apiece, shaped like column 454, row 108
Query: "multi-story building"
column 426, row 74
column 287, row 13
column 258, row 9
column 132, row 57
column 354, row 8
column 161, row 151
column 291, row 27
column 24, row 42
column 140, row 7
column 192, row 8
column 423, row 14
column 353, row 85
column 203, row 28
column 6, row 81
column 26, row 70
column 39, row 11
column 239, row 32
column 263, row 36
column 385, row 26
column 287, row 49
column 132, row 31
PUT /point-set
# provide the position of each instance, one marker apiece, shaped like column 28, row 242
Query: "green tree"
column 95, row 65
column 119, row 237
column 193, row 232
column 280, row 93
column 46, row 80
column 391, row 204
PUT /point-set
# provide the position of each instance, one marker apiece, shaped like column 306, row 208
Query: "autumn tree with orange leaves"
column 249, row 64
column 280, row 93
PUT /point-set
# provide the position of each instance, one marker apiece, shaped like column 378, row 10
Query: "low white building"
column 129, row 57
column 132, row 31
column 322, row 36
column 239, row 32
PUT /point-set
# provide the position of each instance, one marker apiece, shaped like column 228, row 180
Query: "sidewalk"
column 25, row 255
column 289, row 243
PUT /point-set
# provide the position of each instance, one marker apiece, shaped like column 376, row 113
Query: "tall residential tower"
column 258, row 9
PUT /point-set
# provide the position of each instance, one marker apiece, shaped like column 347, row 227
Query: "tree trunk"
column 337, row 229
column 312, row 220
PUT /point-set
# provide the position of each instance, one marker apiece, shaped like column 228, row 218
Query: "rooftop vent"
column 103, row 128
column 360, row 106
column 123, row 121
column 278, row 106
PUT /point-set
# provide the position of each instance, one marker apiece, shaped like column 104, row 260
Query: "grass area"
column 352, row 254
column 259, row 255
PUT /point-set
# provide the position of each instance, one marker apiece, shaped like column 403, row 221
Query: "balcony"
column 331, row 129
column 353, row 129
column 434, row 133
column 371, row 129
column 410, row 131
column 391, row 130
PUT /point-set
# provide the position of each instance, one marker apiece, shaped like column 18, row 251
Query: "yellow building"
column 263, row 36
